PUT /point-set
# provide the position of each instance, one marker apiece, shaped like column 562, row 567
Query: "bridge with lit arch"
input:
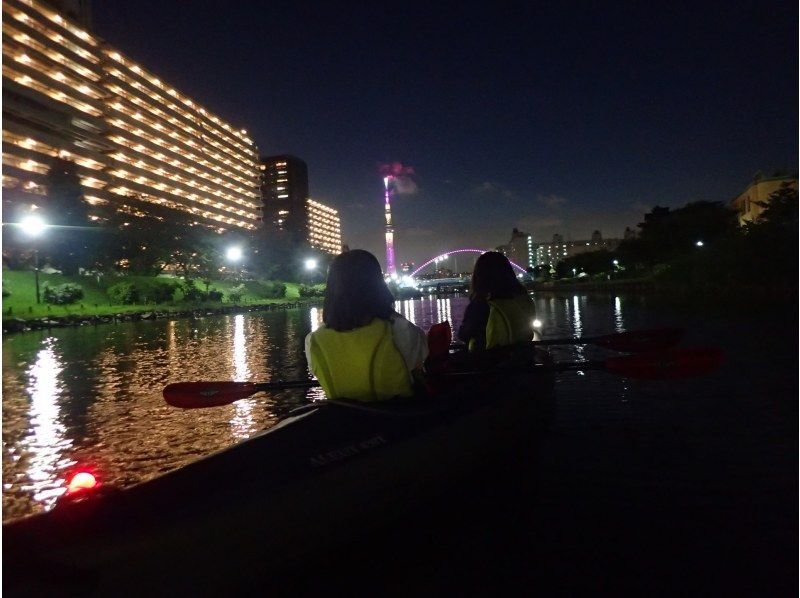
column 444, row 256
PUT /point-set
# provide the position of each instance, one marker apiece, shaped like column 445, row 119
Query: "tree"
column 71, row 242
column 670, row 234
column 781, row 209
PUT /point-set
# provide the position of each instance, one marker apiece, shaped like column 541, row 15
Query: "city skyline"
column 550, row 124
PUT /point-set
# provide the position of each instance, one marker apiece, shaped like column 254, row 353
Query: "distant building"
column 407, row 267
column 284, row 191
column 520, row 249
column 288, row 208
column 558, row 249
column 746, row 204
column 324, row 228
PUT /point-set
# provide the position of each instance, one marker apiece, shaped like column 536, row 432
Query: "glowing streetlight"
column 33, row 226
column 615, row 262
column 699, row 243
column 311, row 264
column 234, row 254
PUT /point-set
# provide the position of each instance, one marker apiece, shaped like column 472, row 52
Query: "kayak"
column 303, row 486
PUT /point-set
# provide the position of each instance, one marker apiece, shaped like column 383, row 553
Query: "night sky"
column 551, row 117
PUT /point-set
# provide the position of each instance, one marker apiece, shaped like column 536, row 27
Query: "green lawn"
column 21, row 303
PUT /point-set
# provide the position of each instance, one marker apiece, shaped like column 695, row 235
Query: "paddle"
column 660, row 365
column 677, row 363
column 633, row 341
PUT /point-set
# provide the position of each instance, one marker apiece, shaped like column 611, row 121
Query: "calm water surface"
column 92, row 396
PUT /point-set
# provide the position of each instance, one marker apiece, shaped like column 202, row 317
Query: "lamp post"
column 33, row 226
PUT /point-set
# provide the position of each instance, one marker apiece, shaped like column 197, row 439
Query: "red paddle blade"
column 439, row 338
column 191, row 395
column 638, row 341
column 665, row 365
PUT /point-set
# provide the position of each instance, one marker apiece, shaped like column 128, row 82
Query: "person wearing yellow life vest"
column 499, row 313
column 364, row 350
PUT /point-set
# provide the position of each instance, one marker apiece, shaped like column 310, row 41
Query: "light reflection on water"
column 243, row 423
column 47, row 442
column 94, row 393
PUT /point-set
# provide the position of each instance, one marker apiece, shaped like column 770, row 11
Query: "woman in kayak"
column 500, row 312
column 364, row 350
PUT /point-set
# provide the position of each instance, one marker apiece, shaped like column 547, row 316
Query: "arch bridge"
column 446, row 255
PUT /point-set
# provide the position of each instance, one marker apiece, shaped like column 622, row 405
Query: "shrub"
column 123, row 293
column 6, row 292
column 156, row 291
column 191, row 292
column 62, row 294
column 306, row 290
column 215, row 295
column 268, row 289
column 235, row 294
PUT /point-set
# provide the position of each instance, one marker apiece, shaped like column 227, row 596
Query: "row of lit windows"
column 48, row 150
column 161, row 186
column 173, row 132
column 29, row 186
column 243, row 142
column 125, row 191
column 57, row 18
column 51, row 35
column 162, row 142
column 51, row 53
column 59, row 96
column 321, row 207
column 246, row 164
column 139, row 163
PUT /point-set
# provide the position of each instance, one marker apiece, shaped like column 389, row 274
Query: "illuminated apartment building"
column 324, row 229
column 135, row 139
column 284, row 189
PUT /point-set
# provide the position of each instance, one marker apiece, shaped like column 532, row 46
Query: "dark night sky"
column 556, row 118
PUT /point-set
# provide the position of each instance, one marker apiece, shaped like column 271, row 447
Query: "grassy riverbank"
column 21, row 301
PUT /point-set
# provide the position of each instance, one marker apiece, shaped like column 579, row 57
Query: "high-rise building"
column 520, row 249
column 324, row 228
column 135, row 139
column 284, row 189
column 559, row 249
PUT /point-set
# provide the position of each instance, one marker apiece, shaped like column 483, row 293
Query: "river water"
column 91, row 396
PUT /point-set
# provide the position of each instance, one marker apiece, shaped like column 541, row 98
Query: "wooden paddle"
column 661, row 365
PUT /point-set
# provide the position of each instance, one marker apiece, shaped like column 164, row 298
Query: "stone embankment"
column 21, row 325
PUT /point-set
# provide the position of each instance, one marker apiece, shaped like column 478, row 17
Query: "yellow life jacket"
column 510, row 321
column 361, row 364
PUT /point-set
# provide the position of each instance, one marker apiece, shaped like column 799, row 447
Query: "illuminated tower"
column 387, row 183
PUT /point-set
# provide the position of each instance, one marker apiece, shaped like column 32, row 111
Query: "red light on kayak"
column 81, row 482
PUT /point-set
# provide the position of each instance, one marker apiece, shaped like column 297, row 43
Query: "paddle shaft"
column 678, row 363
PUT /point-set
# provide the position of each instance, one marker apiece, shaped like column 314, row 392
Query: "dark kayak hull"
column 262, row 505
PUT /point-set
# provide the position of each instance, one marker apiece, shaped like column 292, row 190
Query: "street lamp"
column 311, row 264
column 699, row 243
column 33, row 226
column 234, row 254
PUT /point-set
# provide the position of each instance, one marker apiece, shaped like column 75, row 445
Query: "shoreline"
column 13, row 325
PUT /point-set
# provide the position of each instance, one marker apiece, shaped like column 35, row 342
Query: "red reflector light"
column 83, row 480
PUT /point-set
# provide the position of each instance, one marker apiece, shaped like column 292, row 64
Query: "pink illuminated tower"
column 388, row 183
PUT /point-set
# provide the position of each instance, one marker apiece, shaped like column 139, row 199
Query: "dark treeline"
column 701, row 247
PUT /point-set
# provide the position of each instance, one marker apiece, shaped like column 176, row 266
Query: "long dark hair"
column 356, row 292
column 493, row 278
